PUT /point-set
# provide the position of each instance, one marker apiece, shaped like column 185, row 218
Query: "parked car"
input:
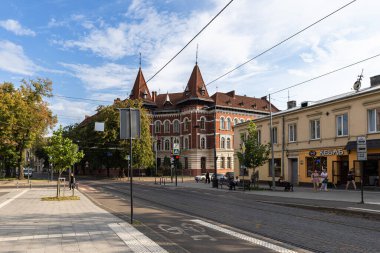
column 201, row 177
column 220, row 177
column 28, row 171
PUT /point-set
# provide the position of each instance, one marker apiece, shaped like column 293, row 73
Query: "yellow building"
column 322, row 133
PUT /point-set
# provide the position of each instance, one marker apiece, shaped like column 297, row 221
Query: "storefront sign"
column 361, row 150
column 328, row 152
column 312, row 153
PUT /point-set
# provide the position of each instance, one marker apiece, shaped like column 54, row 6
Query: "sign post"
column 361, row 150
column 130, row 129
column 176, row 152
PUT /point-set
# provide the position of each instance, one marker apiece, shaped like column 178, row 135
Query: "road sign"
column 361, row 148
column 176, row 149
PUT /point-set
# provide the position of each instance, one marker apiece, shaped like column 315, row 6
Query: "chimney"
column 154, row 95
column 292, row 104
column 375, row 81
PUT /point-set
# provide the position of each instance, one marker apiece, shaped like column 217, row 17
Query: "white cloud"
column 103, row 77
column 15, row 27
column 13, row 59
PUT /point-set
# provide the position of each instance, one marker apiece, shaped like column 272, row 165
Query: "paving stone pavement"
column 28, row 224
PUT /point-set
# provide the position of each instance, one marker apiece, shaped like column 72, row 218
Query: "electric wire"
column 325, row 74
column 188, row 43
column 281, row 42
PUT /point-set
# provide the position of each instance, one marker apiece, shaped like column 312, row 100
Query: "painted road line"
column 39, row 237
column 249, row 239
column 363, row 209
column 134, row 239
column 11, row 199
column 373, row 203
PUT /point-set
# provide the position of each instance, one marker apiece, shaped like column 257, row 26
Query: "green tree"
column 24, row 117
column 256, row 154
column 63, row 153
column 105, row 149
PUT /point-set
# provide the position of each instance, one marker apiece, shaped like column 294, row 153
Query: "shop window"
column 374, row 120
column 315, row 163
column 342, row 125
column 315, row 129
column 277, row 167
column 292, row 132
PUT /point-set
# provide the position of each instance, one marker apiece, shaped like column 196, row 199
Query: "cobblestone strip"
column 134, row 239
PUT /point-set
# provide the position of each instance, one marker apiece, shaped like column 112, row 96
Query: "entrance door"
column 293, row 165
column 203, row 164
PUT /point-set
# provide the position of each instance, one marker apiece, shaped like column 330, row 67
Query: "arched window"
column 228, row 143
column 176, row 126
column 186, row 143
column 222, row 125
column 222, row 162
column 222, row 142
column 241, row 120
column 157, row 126
column 186, row 124
column 176, row 140
column 203, row 123
column 203, row 143
column 167, row 144
column 236, row 121
column 167, row 126
column 228, row 123
column 158, row 145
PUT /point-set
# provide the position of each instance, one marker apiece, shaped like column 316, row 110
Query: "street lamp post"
column 215, row 181
column 243, row 164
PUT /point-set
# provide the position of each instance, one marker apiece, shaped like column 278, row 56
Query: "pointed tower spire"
column 140, row 61
column 140, row 89
column 196, row 56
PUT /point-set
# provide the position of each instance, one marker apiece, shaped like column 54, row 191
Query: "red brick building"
column 188, row 118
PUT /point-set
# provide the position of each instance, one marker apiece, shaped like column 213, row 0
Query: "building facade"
column 197, row 122
column 323, row 134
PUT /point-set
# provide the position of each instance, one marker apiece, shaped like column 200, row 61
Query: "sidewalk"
column 304, row 196
column 30, row 225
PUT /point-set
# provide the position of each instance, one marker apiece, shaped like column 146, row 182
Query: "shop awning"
column 351, row 145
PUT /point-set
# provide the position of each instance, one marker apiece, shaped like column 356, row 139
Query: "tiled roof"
column 196, row 88
column 140, row 88
column 230, row 99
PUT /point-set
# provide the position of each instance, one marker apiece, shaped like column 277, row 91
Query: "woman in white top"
column 324, row 179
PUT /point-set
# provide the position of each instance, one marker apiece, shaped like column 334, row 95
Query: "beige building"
column 322, row 134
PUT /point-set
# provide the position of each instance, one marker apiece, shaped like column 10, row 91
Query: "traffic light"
column 176, row 157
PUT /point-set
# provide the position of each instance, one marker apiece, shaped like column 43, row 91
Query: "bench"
column 287, row 186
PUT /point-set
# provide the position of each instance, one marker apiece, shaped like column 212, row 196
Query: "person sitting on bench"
column 288, row 186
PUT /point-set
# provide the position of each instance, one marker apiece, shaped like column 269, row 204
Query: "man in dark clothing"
column 72, row 181
column 207, row 178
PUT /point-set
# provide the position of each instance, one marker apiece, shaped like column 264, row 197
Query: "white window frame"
column 202, row 123
column 229, row 162
column 222, row 142
column 157, row 126
column 228, row 143
column 204, row 144
column 373, row 120
column 222, row 123
column 167, row 126
column 315, row 129
column 186, row 124
column 292, row 132
column 228, row 123
column 166, row 144
column 186, row 142
column 274, row 135
column 176, row 126
column 342, row 125
column 236, row 121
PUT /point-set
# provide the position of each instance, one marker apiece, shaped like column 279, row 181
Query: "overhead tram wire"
column 188, row 43
column 325, row 74
column 281, row 42
column 84, row 99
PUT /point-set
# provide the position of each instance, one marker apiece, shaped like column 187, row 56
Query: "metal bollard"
column 17, row 184
column 30, row 185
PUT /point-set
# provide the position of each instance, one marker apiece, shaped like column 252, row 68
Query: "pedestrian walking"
column 351, row 179
column 324, row 178
column 315, row 180
column 207, row 178
column 72, row 182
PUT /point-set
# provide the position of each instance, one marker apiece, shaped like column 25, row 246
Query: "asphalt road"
column 170, row 216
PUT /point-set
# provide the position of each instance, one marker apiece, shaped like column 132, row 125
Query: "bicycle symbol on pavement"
column 196, row 232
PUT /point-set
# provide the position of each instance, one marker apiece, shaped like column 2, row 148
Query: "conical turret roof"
column 140, row 88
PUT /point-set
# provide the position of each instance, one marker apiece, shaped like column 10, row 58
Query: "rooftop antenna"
column 358, row 83
column 196, row 56
column 140, row 61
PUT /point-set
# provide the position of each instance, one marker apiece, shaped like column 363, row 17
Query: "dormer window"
column 229, row 102
column 241, row 103
column 145, row 94
column 254, row 106
column 203, row 91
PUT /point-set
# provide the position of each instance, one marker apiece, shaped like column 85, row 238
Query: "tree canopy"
column 256, row 154
column 24, row 117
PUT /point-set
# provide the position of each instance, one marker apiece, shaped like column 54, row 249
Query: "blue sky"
column 90, row 49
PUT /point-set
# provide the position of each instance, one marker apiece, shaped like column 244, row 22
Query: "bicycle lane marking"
column 12, row 198
column 249, row 239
